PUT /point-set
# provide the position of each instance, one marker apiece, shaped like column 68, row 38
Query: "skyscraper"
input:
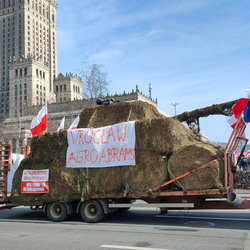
column 28, row 57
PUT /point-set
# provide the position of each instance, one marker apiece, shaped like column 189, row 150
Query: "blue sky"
column 196, row 53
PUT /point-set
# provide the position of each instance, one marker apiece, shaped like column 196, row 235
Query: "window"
column 64, row 87
column 56, row 88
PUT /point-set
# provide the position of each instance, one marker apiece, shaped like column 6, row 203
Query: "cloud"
column 106, row 53
column 193, row 52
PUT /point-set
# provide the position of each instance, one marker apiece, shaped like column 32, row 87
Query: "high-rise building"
column 28, row 57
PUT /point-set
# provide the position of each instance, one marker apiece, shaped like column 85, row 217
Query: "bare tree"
column 94, row 80
column 7, row 133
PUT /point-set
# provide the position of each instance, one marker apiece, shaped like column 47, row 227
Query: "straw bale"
column 105, row 115
column 162, row 135
column 149, row 172
column 155, row 137
column 191, row 156
column 66, row 184
column 48, row 151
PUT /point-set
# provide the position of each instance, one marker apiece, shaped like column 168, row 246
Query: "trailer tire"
column 56, row 211
column 91, row 211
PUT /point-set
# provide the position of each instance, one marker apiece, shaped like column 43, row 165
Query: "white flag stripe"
column 232, row 120
column 35, row 121
column 61, row 124
column 74, row 123
column 132, row 248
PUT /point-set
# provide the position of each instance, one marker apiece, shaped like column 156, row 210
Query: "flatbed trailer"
column 224, row 196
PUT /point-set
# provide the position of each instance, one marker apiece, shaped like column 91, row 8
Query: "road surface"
column 136, row 229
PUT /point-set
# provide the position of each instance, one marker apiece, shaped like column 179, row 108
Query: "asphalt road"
column 136, row 229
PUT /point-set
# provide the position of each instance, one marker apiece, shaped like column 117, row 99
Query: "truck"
column 94, row 206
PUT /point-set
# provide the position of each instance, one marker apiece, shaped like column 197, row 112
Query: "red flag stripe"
column 240, row 105
column 40, row 127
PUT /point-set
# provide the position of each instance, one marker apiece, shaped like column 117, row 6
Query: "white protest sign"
column 35, row 181
column 101, row 147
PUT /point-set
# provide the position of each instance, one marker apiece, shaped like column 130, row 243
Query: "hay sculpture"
column 157, row 138
column 192, row 156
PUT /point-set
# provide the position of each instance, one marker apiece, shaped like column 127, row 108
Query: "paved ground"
column 136, row 229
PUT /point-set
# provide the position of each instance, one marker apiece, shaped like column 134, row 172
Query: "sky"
column 195, row 53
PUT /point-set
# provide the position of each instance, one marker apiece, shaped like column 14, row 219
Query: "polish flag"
column 232, row 121
column 74, row 123
column 61, row 127
column 39, row 123
column 240, row 105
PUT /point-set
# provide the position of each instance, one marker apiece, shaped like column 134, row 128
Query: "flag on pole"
column 240, row 105
column 39, row 123
column 247, row 113
column 74, row 123
column 232, row 121
column 61, row 126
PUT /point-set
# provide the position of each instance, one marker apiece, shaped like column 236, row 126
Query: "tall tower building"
column 28, row 30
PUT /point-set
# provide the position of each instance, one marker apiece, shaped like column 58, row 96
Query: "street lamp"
column 150, row 90
column 175, row 104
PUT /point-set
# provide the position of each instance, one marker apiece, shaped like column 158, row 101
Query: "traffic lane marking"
column 132, row 248
column 198, row 217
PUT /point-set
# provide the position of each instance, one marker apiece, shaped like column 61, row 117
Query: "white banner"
column 35, row 181
column 102, row 147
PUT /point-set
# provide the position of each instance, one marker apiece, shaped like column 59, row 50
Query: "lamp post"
column 175, row 104
column 150, row 90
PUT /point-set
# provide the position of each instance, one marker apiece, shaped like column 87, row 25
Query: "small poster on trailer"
column 35, row 181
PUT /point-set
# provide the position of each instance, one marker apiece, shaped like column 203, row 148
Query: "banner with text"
column 35, row 181
column 102, row 147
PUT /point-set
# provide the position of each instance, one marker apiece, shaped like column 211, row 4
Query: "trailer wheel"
column 91, row 211
column 56, row 211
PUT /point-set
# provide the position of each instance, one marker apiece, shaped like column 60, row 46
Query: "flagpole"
column 47, row 117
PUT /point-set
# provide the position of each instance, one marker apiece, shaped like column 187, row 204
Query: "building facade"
column 28, row 30
column 29, row 84
column 68, row 87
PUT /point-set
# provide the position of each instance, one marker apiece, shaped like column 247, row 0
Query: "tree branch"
column 215, row 109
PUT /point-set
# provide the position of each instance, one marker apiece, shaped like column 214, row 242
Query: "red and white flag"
column 39, row 123
column 74, row 123
column 240, row 105
column 232, row 121
column 61, row 126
